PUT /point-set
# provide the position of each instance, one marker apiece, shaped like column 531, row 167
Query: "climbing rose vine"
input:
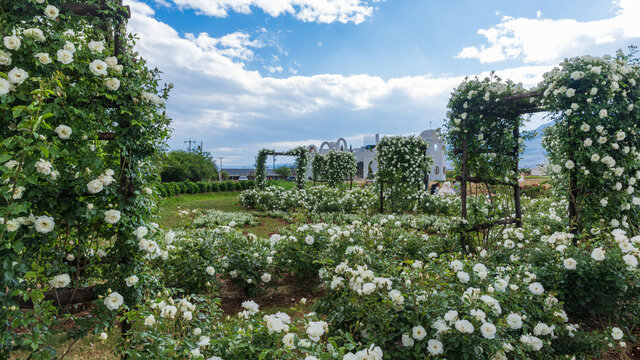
column 593, row 145
column 68, row 224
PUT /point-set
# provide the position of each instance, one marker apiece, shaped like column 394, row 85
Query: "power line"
column 189, row 141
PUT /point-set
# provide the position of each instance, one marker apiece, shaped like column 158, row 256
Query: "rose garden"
column 98, row 261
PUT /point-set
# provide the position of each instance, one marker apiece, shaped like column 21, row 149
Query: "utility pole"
column 220, row 170
column 201, row 147
column 274, row 162
column 189, row 141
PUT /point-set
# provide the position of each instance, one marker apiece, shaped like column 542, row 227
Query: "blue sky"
column 279, row 73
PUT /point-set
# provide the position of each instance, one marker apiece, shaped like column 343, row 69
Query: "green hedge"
column 188, row 187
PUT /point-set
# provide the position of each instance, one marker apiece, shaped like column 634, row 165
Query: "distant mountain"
column 534, row 154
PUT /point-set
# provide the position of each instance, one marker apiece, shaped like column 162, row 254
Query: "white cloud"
column 273, row 69
column 321, row 11
column 543, row 41
column 219, row 101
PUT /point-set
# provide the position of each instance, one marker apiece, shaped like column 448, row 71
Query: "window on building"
column 437, row 170
column 435, row 147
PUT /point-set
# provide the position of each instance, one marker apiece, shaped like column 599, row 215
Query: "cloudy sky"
column 250, row 74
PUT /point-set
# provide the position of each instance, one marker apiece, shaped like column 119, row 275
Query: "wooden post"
column 516, row 187
column 350, row 181
column 463, row 188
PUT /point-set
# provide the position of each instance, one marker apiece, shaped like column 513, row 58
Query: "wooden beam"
column 64, row 297
column 531, row 94
column 107, row 136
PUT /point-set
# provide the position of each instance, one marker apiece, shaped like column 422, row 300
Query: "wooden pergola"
column 519, row 104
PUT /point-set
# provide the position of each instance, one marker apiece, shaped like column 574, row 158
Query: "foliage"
column 193, row 166
column 403, row 167
column 338, row 166
column 477, row 119
column 302, row 162
column 593, row 144
column 317, row 167
column 261, row 168
column 283, row 171
column 188, row 187
column 313, row 199
column 61, row 85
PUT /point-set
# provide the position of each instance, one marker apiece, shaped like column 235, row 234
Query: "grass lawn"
column 224, row 201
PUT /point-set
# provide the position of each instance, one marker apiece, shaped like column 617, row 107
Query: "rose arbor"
column 592, row 146
column 81, row 116
column 302, row 160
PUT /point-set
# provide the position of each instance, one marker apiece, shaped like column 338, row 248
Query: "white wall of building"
column 366, row 157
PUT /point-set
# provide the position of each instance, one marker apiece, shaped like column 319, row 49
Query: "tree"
column 283, row 171
column 181, row 166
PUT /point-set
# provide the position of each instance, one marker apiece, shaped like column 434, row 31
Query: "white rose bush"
column 403, row 169
column 83, row 123
column 594, row 142
column 58, row 98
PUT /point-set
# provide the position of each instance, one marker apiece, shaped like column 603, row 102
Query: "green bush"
column 182, row 166
column 188, row 187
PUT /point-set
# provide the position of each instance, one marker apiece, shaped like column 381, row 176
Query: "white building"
column 539, row 170
column 436, row 150
column 366, row 154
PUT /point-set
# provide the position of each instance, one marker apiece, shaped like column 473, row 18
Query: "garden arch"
column 109, row 111
column 592, row 147
column 302, row 160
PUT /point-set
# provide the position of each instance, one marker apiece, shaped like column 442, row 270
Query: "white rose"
column 113, row 301
column 616, row 333
column 111, row 216
column 266, row 277
column 63, row 131
column 111, row 61
column 435, row 347
column 603, row 113
column 51, row 12
column 112, row 84
column 96, row 46
column 44, row 58
column 210, row 270
column 536, row 288
column 5, row 58
column 514, row 321
column 95, row 186
column 98, row 68
column 149, row 320
column 131, row 280
column 65, row 56
column 289, row 341
column 17, row 76
column 418, row 332
column 12, row 225
column 5, row 86
column 60, row 281
column 12, row 42
column 464, row 326
column 569, row 164
column 598, row 254
column 488, row 330
column 44, row 224
column 630, row 260
column 570, row 264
